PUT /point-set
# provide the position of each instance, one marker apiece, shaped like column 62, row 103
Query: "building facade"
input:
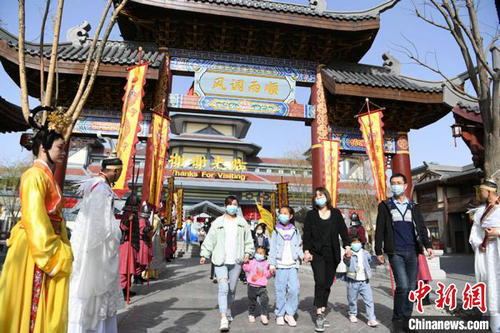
column 446, row 194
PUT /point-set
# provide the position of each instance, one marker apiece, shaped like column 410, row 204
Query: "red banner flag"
column 156, row 154
column 130, row 124
column 331, row 157
column 371, row 126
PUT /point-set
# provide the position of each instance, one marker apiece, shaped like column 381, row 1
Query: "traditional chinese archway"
column 247, row 58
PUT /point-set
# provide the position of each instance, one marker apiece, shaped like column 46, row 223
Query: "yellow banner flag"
column 130, row 124
column 266, row 217
column 179, row 207
column 282, row 195
column 371, row 127
column 156, row 153
column 169, row 201
column 331, row 155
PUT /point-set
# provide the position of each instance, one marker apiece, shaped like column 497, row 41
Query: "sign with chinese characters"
column 352, row 140
column 244, row 85
column 201, row 162
column 105, row 125
column 209, row 174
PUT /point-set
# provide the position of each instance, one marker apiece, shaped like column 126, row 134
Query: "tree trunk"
column 492, row 136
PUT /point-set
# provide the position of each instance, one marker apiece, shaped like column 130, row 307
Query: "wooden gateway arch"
column 246, row 58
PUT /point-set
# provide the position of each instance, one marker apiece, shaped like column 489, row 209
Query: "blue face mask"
column 231, row 209
column 398, row 189
column 321, row 202
column 259, row 257
column 356, row 247
column 283, row 218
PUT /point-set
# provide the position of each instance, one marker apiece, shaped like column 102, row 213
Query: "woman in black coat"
column 323, row 226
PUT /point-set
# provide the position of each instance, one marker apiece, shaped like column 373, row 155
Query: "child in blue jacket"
column 358, row 282
column 284, row 260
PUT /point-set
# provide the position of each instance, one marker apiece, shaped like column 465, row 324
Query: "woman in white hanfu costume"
column 485, row 240
column 94, row 292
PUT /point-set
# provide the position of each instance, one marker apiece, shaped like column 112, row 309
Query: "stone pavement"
column 185, row 300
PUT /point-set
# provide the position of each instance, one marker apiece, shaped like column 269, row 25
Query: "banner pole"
column 130, row 231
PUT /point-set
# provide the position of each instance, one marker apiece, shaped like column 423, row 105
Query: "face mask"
column 259, row 232
column 398, row 189
column 321, row 202
column 231, row 209
column 283, row 218
column 259, row 257
column 356, row 247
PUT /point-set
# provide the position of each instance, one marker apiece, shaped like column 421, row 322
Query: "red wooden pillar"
column 60, row 172
column 319, row 130
column 401, row 161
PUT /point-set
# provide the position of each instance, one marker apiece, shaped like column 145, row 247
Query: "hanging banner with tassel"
column 178, row 207
column 371, row 127
column 331, row 158
column 130, row 124
column 156, row 154
column 169, row 201
column 282, row 195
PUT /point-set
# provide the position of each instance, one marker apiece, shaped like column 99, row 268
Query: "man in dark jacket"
column 401, row 230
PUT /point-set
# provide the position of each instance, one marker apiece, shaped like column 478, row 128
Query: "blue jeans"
column 286, row 281
column 227, row 275
column 355, row 288
column 405, row 269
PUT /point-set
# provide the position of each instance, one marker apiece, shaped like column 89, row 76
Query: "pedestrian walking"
column 285, row 256
column 358, row 282
column 228, row 245
column 401, row 230
column 322, row 228
column 257, row 275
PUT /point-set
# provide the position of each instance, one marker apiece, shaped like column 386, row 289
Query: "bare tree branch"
column 430, row 21
column 89, row 60
column 457, row 34
column 22, row 64
column 476, row 41
column 42, row 33
column 97, row 62
column 53, row 56
column 435, row 70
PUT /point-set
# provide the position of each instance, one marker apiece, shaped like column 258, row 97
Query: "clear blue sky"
column 432, row 143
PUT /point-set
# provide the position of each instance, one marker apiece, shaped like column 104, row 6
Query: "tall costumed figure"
column 34, row 284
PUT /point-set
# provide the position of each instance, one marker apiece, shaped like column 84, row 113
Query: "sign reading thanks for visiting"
column 244, row 85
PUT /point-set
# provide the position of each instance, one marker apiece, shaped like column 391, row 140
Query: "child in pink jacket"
column 258, row 273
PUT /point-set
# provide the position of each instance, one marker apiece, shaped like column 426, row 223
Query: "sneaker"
column 280, row 321
column 353, row 319
column 214, row 280
column 326, row 323
column 229, row 317
column 319, row 325
column 372, row 323
column 290, row 320
column 224, row 324
column 264, row 320
column 251, row 319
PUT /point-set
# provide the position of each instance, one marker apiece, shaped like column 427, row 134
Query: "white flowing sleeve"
column 94, row 284
column 476, row 233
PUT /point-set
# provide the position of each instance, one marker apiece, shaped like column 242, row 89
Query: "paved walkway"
column 185, row 300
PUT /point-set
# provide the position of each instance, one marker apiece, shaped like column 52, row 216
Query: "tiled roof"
column 374, row 76
column 301, row 9
column 12, row 119
column 115, row 52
